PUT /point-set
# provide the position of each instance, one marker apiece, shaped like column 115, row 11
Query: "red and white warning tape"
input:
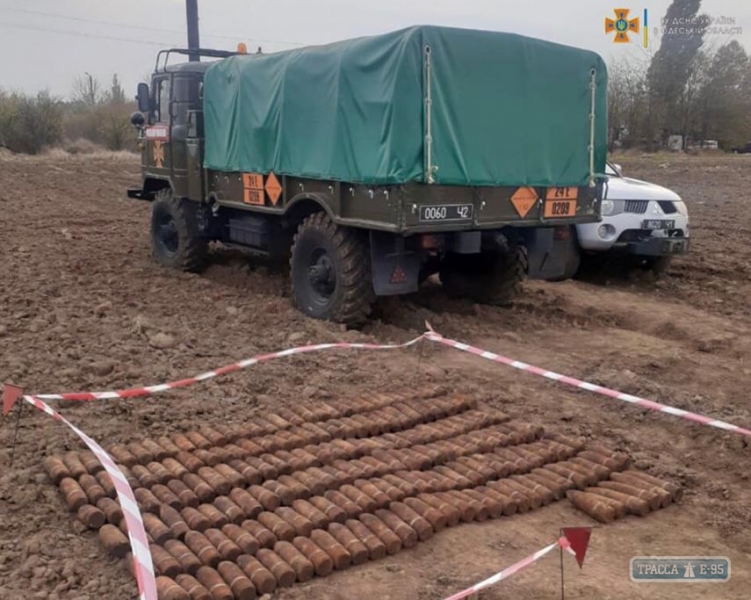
column 590, row 387
column 515, row 568
column 143, row 567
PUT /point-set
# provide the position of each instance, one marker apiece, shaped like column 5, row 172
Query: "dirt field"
column 81, row 307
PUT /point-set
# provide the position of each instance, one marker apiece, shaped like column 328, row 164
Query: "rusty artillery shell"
column 351, row 509
column 484, row 470
column 74, row 495
column 198, row 440
column 615, row 455
column 167, row 589
column 285, row 494
column 169, row 448
column 147, row 501
column 459, row 479
column 199, row 487
column 371, row 490
column 634, row 506
column 234, row 477
column 165, row 496
column 557, row 489
column 579, row 480
column 431, row 515
column 216, row 517
column 328, row 480
column 321, row 561
column 391, row 541
column 247, row 542
column 393, row 493
column 227, row 549
column 122, row 455
column 481, row 510
column 554, row 479
column 282, row 467
column 188, row 561
column 230, row 509
column 364, row 470
column 111, row 509
column 230, row 452
column 195, row 588
column 278, row 526
column 299, row 489
column 263, row 580
column 142, row 454
column 214, row 583
column 56, row 469
column 675, row 491
column 573, row 442
column 338, row 475
column 103, row 479
column 653, row 499
column 94, row 492
column 160, row 473
column 300, row 524
column 625, row 478
column 352, row 544
column 521, row 500
column 327, row 507
column 509, row 505
column 90, row 462
column 155, row 449
column 143, row 475
column 535, row 499
column 156, row 528
column 493, row 505
column 407, row 487
column 249, row 506
column 328, row 543
column 318, row 519
column 75, row 466
column 283, row 573
column 165, row 563
column 406, row 533
column 597, row 507
column 543, row 492
column 211, row 434
column 449, row 511
column 114, row 540
column 202, row 548
column 363, row 500
column 599, row 471
column 189, row 461
column 186, row 496
column 241, row 586
column 174, row 520
column 302, row 566
column 253, row 449
column 268, row 499
column 375, row 547
column 316, row 486
column 265, row 537
column 91, row 516
column 612, row 464
column 251, row 475
column 195, row 519
column 183, row 443
column 467, row 510
column 217, row 482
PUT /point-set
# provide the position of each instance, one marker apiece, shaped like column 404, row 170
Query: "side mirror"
column 137, row 120
column 618, row 169
column 144, row 98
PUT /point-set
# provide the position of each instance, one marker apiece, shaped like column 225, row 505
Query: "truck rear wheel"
column 175, row 240
column 330, row 271
column 488, row 278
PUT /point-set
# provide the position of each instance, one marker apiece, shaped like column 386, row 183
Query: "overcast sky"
column 45, row 44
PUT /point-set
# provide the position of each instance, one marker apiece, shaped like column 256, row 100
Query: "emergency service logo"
column 678, row 569
column 622, row 26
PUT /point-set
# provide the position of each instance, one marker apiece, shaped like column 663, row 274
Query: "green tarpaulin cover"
column 506, row 110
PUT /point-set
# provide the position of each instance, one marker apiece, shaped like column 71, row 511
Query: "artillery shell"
column 186, row 496
column 653, row 499
column 268, row 499
column 103, row 479
column 449, row 511
column 72, row 461
column 247, row 503
column 407, row 487
column 635, row 506
column 144, row 476
column 91, row 516
column 303, row 568
column 142, row 454
column 156, row 528
column 265, row 537
column 466, row 509
column 390, row 540
column 227, row 549
column 167, row 589
column 218, row 483
column 600, row 472
column 328, row 543
column 575, row 443
column 231, row 510
column 299, row 490
column 371, row 490
column 188, row 561
column 491, row 502
column 202, row 548
column 393, row 493
column 612, row 464
column 174, row 520
column 189, row 461
column 278, row 526
column 251, row 475
column 300, row 524
column 114, row 541
column 263, row 580
column 247, row 543
column 579, row 480
column 207, row 457
column 543, row 492
column 195, row 519
column 596, row 507
column 74, row 495
column 625, row 478
column 675, row 491
column 165, row 496
column 285, row 494
column 166, row 564
column 198, row 440
column 351, row 509
column 111, row 510
column 283, row 573
column 147, row 501
column 363, row 500
column 431, row 515
column 357, row 550
column 282, row 467
column 216, row 517
column 322, row 563
column 234, row 477
column 199, row 487
column 406, row 534
column 213, row 582
column 317, row 518
column 250, row 447
column 90, row 462
column 316, row 486
column 183, row 443
column 56, row 469
column 242, row 588
column 122, row 455
column 482, row 512
column 195, row 588
column 168, row 446
column 216, row 438
column 327, row 507
column 94, row 492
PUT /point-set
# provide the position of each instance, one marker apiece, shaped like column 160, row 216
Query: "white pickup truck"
column 643, row 225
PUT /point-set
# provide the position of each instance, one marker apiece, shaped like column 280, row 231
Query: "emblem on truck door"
column 158, row 152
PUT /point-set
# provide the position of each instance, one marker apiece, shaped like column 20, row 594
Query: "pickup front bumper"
column 659, row 246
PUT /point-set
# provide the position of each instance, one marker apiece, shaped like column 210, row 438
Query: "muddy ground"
column 82, row 307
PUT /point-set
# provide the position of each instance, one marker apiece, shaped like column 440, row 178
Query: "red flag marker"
column 578, row 537
column 11, row 394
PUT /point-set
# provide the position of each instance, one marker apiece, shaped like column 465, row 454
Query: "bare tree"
column 87, row 90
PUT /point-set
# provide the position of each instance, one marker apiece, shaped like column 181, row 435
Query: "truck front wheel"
column 488, row 278
column 330, row 271
column 175, row 240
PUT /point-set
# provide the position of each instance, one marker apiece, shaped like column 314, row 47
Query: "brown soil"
column 82, row 305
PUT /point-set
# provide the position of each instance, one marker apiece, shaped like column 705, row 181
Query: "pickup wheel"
column 175, row 240
column 330, row 271
column 488, row 278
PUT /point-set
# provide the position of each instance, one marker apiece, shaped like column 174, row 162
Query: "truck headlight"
column 607, row 208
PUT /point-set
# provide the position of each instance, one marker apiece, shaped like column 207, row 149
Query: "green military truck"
column 374, row 163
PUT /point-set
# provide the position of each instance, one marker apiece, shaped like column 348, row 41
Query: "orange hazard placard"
column 523, row 200
column 253, row 184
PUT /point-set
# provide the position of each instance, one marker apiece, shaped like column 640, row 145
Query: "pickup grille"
column 638, row 207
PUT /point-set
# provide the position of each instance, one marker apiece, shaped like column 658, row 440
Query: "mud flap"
column 396, row 267
column 548, row 250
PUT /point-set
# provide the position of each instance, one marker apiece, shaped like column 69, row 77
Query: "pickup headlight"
column 680, row 206
column 607, row 208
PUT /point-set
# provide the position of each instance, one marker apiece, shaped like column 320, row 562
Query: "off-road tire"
column 188, row 250
column 488, row 278
column 349, row 296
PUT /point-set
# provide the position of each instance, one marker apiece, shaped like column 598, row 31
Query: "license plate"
column 658, row 224
column 560, row 202
column 446, row 212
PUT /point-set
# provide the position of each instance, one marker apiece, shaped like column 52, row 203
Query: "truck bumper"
column 659, row 246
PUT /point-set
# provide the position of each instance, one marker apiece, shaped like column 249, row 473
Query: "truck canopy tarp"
column 506, row 110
